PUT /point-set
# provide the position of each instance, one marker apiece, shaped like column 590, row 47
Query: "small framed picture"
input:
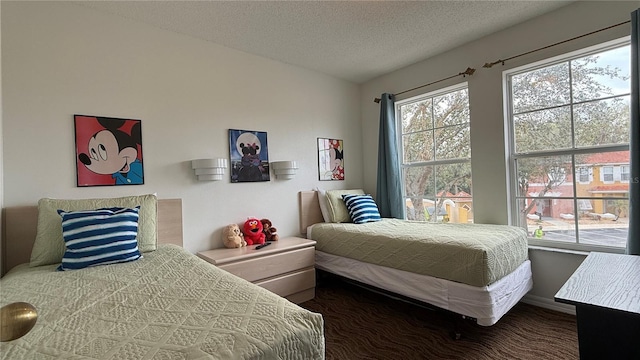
column 249, row 155
column 330, row 159
column 108, row 151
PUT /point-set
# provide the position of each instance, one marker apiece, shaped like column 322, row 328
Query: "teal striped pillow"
column 362, row 208
column 99, row 237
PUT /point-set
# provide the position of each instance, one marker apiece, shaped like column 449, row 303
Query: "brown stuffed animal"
column 233, row 237
column 269, row 231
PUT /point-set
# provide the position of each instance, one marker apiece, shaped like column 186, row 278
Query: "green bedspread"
column 473, row 254
column 168, row 305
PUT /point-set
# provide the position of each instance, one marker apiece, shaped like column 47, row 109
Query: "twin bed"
column 167, row 305
column 476, row 270
column 170, row 304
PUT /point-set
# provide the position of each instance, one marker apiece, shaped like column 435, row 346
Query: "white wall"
column 490, row 187
column 60, row 59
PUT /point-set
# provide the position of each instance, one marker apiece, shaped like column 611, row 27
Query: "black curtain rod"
column 469, row 71
column 501, row 61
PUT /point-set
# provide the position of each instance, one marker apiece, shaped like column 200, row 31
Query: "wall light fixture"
column 209, row 169
column 284, row 169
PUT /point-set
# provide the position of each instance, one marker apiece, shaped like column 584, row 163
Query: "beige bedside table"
column 286, row 267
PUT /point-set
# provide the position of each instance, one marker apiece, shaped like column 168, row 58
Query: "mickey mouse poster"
column 249, row 154
column 108, row 151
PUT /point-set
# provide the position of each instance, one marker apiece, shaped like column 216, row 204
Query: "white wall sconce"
column 209, row 169
column 284, row 169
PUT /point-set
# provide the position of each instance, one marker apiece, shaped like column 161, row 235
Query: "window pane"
column 418, row 147
column 625, row 173
column 602, row 122
column 453, row 142
column 544, row 176
column 416, row 116
column 543, row 130
column 453, row 180
column 419, row 182
column 453, row 201
column 453, row 185
column 607, row 224
column 419, row 185
column 584, row 175
column 542, row 88
column 556, row 218
column 601, row 75
column 416, row 208
column 451, row 108
column 452, row 210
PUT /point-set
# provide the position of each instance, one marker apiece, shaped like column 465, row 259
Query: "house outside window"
column 434, row 136
column 568, row 120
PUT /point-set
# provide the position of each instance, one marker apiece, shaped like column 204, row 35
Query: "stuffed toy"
column 253, row 231
column 233, row 237
column 269, row 231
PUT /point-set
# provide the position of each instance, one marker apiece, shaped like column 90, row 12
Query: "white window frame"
column 587, row 169
column 623, row 173
column 399, row 134
column 607, row 170
column 513, row 209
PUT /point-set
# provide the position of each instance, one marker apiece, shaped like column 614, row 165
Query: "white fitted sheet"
column 486, row 304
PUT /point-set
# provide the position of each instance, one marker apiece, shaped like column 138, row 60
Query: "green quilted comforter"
column 168, row 305
column 473, row 254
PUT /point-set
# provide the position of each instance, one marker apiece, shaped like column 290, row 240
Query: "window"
column 625, row 173
column 584, row 175
column 607, row 173
column 570, row 115
column 436, row 156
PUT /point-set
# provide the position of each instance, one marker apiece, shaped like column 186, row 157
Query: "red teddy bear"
column 252, row 230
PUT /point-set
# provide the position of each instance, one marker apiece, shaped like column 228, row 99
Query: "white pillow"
column 324, row 207
column 337, row 209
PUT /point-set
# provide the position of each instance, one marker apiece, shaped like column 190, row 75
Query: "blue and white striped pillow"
column 99, row 237
column 362, row 208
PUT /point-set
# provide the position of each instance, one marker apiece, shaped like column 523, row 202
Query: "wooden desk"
column 605, row 290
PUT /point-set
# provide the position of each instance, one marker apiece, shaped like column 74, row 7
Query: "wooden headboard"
column 20, row 223
column 309, row 210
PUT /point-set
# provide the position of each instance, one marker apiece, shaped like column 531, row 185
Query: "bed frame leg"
column 456, row 333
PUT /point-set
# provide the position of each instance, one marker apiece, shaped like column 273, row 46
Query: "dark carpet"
column 361, row 324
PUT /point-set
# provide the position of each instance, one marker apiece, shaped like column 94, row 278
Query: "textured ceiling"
column 352, row 40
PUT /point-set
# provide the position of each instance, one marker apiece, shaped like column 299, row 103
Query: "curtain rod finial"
column 376, row 100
